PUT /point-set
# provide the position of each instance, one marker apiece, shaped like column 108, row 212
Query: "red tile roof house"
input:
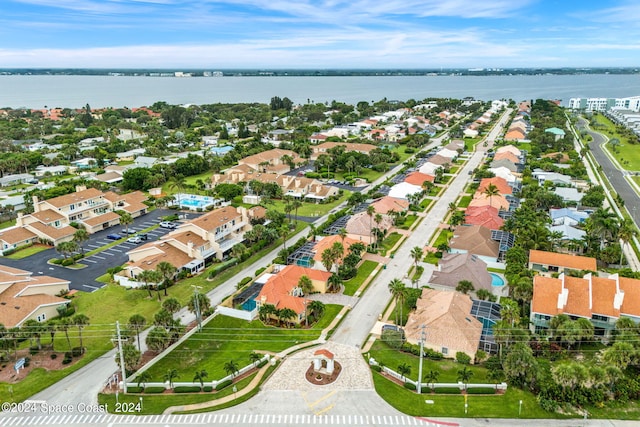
column 282, row 290
column 25, row 297
column 601, row 300
column 419, row 178
column 546, row 263
column 387, row 204
column 271, row 161
column 500, row 183
column 476, row 240
column 324, row 148
column 485, row 216
column 326, row 243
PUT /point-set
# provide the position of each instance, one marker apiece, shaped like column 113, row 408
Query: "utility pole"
column 422, row 337
column 196, row 303
column 122, row 368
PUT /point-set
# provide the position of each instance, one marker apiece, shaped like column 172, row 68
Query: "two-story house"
column 546, row 263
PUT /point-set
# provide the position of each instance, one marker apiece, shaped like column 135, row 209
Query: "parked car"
column 168, row 224
column 134, row 239
column 129, row 231
column 114, row 236
column 143, row 236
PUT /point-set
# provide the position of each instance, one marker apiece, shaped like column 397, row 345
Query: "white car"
column 134, row 239
column 167, row 224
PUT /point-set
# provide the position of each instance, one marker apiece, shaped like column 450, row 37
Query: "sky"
column 319, row 34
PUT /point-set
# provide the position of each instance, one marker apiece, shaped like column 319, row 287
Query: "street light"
column 520, row 408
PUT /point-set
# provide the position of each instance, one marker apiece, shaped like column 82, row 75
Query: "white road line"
column 107, row 253
column 99, row 257
column 89, row 260
column 94, row 246
column 114, row 249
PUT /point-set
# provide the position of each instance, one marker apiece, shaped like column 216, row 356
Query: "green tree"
column 305, row 284
column 137, row 323
column 231, row 368
column 132, row 357
column 520, row 365
column 464, row 286
column 464, row 375
column 172, row 305
column 255, row 358
column 80, row 320
column 167, row 271
column 200, row 376
column 398, row 292
column 170, row 375
column 126, row 220
column 79, row 237
column 143, row 378
column 404, row 370
column 626, row 233
column 431, row 377
column 63, row 325
column 490, row 191
column 158, row 339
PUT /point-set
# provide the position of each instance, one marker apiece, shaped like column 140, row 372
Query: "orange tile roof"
column 16, row 235
column 603, row 292
column 324, row 352
column 486, row 216
column 47, row 216
column 419, row 178
column 501, row 183
column 16, row 307
column 631, row 302
column 574, row 262
column 481, row 199
column 79, row 196
column 507, row 156
column 327, row 242
column 545, row 295
column 475, row 240
column 578, row 300
column 101, row 219
column 293, row 273
column 210, row 221
column 387, row 204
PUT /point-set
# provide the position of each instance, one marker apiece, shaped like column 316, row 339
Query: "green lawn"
column 425, row 203
column 309, row 208
column 26, row 252
column 352, row 285
column 454, row 170
column 7, row 224
column 464, row 201
column 389, row 242
column 205, row 177
column 495, row 406
column 408, row 222
column 628, row 155
column 225, row 338
column 431, row 258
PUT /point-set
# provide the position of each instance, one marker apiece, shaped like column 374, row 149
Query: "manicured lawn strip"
column 389, row 242
column 117, row 242
column 454, row 170
column 225, row 339
column 464, row 201
column 31, row 250
column 431, row 258
column 425, row 203
column 310, row 208
column 204, row 176
column 495, row 406
column 365, row 269
column 408, row 222
column 524, row 146
column 626, row 151
column 443, row 237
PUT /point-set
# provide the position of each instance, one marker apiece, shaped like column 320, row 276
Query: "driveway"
column 84, row 279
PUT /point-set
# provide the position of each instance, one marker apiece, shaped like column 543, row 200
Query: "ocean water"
column 107, row 91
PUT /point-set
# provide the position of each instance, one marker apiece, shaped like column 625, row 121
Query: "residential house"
column 446, row 317
column 556, row 132
column 546, row 263
column 505, row 174
column 387, row 204
column 498, row 201
column 145, row 161
column 327, row 242
column 41, row 170
column 500, row 183
column 508, row 156
column 475, row 240
column 601, row 300
column 361, row 227
column 26, row 297
column 456, row 267
column 510, row 149
column 570, row 235
column 485, row 216
column 271, row 161
column 504, row 163
column 569, row 195
column 14, row 237
column 404, row 190
column 15, row 179
column 553, row 177
column 419, row 178
column 324, row 148
column 567, row 216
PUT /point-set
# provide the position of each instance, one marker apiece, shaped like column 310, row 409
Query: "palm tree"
column 296, row 204
column 465, row 286
column 137, row 323
column 63, row 325
column 255, row 358
column 172, row 305
column 146, row 277
column 80, row 320
column 603, row 224
column 371, row 211
column 431, row 377
column 464, row 375
column 265, row 311
column 496, row 376
column 626, row 233
column 177, row 183
column 335, row 282
column 66, row 248
column 287, row 314
column 490, row 191
column 238, row 250
column 317, row 308
column 231, row 368
column 143, row 378
column 378, row 220
column 167, row 270
column 52, row 327
column 284, row 233
column 126, row 219
column 79, row 237
column 305, row 284
column 587, row 330
column 200, row 376
column 170, row 375
column 416, row 254
column 404, row 370
column 155, row 277
column 398, row 292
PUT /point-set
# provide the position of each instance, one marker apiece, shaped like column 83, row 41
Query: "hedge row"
column 223, row 384
column 482, row 390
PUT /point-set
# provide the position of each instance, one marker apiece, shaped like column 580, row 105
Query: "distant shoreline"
column 200, row 72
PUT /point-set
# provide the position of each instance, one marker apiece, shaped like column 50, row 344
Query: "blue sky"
column 219, row 34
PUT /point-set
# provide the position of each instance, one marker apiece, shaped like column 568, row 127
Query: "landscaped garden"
column 364, row 270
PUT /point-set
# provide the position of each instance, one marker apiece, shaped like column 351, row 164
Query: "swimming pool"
column 496, row 280
column 193, row 201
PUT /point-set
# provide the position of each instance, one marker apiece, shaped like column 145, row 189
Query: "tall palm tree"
column 126, row 219
column 80, row 236
column 603, row 223
column 177, row 183
column 137, row 323
column 146, row 277
column 316, row 307
column 371, row 211
column 200, row 376
column 255, row 358
column 265, row 311
column 334, row 281
column 143, row 378
column 404, row 370
column 167, row 270
column 416, row 254
column 490, row 191
column 626, row 233
column 287, row 314
column 431, row 377
column 170, row 375
column 63, row 325
column 80, row 320
column 464, row 375
column 172, row 305
column 398, row 292
column 231, row 367
column 328, row 259
column 305, row 284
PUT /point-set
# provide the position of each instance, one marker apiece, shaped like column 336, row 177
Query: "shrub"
column 409, row 386
column 262, row 363
column 66, row 360
column 76, row 352
column 463, row 358
column 448, row 390
column 207, row 388
column 376, row 368
column 53, row 261
column 53, row 356
column 68, row 355
column 33, row 350
column 154, row 389
column 67, row 262
column 481, row 390
column 134, row 389
column 223, row 384
column 244, row 281
column 187, row 389
column 259, row 271
column 432, row 354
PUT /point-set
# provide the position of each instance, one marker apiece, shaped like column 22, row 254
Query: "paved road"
column 615, row 176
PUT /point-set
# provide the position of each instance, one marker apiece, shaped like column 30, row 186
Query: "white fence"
column 427, row 386
column 238, row 314
column 129, row 283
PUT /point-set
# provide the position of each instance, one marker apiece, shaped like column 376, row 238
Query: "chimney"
column 36, row 207
column 80, row 188
column 190, row 249
column 588, row 277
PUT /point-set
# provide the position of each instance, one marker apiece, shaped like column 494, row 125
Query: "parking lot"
column 97, row 264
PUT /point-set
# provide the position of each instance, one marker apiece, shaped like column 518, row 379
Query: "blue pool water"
column 193, row 201
column 496, row 280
